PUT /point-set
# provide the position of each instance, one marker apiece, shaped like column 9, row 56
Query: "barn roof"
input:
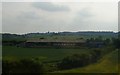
column 54, row 40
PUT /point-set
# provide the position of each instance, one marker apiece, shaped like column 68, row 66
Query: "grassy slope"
column 108, row 64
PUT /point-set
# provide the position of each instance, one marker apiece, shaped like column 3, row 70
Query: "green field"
column 107, row 64
column 49, row 54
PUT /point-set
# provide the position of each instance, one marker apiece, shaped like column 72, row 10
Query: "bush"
column 74, row 61
column 79, row 60
column 24, row 66
column 116, row 43
column 95, row 55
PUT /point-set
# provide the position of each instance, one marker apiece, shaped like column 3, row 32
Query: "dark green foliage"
column 23, row 66
column 98, row 42
column 12, row 43
column 116, row 43
column 42, row 38
column 107, row 41
column 95, row 55
column 79, row 60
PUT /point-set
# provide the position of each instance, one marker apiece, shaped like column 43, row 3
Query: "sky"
column 26, row 17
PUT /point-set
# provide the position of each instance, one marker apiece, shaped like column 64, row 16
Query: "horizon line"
column 59, row 32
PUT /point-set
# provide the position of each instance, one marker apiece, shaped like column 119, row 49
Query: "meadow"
column 107, row 64
column 48, row 54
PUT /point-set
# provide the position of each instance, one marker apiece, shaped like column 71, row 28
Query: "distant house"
column 54, row 43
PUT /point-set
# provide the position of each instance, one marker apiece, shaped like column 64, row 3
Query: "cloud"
column 82, row 17
column 47, row 6
column 24, row 17
column 85, row 13
column 85, row 19
column 29, row 15
column 1, row 17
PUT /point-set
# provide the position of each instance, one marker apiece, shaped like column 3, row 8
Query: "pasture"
column 47, row 54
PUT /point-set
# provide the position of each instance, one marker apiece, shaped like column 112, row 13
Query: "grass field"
column 49, row 54
column 107, row 64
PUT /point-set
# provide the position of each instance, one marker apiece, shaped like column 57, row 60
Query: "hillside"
column 108, row 64
column 53, row 35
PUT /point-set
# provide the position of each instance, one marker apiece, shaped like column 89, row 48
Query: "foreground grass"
column 108, row 64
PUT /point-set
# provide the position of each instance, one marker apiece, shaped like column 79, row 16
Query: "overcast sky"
column 24, row 17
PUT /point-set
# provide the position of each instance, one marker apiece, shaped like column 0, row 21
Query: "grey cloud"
column 85, row 13
column 26, row 17
column 29, row 15
column 82, row 16
column 47, row 6
column 82, row 20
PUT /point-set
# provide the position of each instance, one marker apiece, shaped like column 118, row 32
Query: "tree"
column 23, row 66
column 107, row 41
column 116, row 43
column 76, row 60
column 95, row 55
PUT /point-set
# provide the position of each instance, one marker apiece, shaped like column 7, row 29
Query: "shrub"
column 23, row 66
column 74, row 61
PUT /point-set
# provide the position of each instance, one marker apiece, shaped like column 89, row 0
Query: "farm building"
column 54, row 43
